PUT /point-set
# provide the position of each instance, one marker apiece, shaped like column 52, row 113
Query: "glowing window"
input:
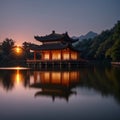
column 66, row 56
column 74, row 56
column 56, row 56
column 46, row 56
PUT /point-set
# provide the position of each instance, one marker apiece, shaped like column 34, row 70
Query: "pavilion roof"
column 55, row 37
column 54, row 46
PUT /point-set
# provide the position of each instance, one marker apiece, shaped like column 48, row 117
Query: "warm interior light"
column 56, row 56
column 46, row 56
column 66, row 56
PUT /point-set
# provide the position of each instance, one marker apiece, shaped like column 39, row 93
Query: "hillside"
column 90, row 34
column 104, row 46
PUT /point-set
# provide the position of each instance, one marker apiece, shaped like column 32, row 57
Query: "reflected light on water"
column 13, row 68
column 17, row 77
column 55, row 84
column 63, row 78
column 68, row 94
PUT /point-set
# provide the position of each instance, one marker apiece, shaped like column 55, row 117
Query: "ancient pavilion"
column 54, row 48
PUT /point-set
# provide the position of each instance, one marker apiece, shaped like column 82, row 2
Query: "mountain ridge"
column 88, row 35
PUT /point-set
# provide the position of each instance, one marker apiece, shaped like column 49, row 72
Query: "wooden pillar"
column 61, row 53
column 43, row 55
column 60, row 64
column 50, row 80
column 69, row 65
column 34, row 66
column 28, row 65
column 40, row 54
column 78, row 54
column 53, row 64
column 69, row 54
column 78, row 58
column 40, row 65
column 46, row 65
column 34, row 55
column 50, row 55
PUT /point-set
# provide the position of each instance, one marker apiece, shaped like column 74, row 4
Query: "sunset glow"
column 34, row 17
column 18, row 49
column 59, row 59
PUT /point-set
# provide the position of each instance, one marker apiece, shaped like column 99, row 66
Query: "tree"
column 115, row 53
column 5, row 55
column 7, row 46
column 26, row 47
column 105, row 45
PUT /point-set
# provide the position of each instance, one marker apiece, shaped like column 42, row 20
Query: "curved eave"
column 48, row 47
column 49, row 38
column 68, row 39
column 55, row 37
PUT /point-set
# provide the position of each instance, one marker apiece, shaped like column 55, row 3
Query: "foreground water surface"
column 86, row 94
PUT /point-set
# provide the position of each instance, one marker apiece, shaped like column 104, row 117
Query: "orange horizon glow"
column 18, row 50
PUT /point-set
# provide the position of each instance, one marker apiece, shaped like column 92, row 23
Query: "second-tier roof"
column 55, row 37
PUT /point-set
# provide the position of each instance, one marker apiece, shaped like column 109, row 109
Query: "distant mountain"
column 105, row 46
column 86, row 36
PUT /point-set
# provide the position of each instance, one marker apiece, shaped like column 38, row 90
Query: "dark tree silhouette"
column 5, row 55
column 7, row 46
column 105, row 46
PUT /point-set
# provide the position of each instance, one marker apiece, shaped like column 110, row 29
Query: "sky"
column 21, row 20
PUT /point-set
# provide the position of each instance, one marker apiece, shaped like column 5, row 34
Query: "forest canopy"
column 104, row 46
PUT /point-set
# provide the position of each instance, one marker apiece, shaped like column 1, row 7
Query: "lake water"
column 85, row 94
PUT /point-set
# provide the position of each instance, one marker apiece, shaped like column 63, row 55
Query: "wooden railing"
column 36, row 61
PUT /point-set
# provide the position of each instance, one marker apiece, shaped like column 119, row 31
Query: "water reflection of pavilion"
column 55, row 83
